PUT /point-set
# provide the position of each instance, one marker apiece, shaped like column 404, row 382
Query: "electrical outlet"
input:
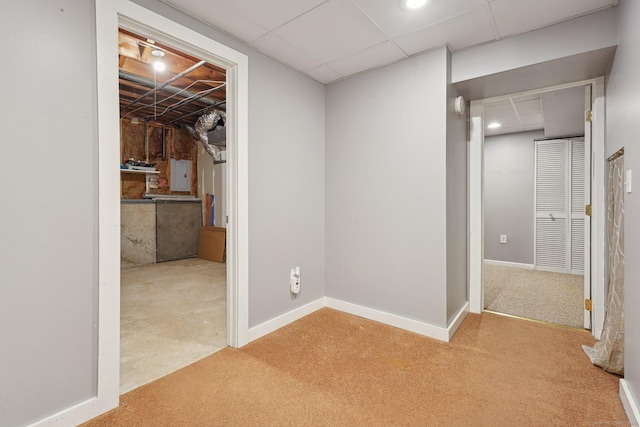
column 295, row 280
column 503, row 238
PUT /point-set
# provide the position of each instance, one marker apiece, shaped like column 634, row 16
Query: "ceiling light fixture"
column 415, row 4
column 157, row 53
column 494, row 125
column 159, row 65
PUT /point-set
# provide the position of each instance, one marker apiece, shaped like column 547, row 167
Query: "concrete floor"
column 172, row 314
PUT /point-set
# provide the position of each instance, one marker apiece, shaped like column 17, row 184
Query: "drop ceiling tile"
column 324, row 74
column 529, row 107
column 519, row 16
column 534, row 126
column 279, row 49
column 499, row 112
column 376, row 56
column 523, row 98
column 532, row 119
column 498, row 103
column 221, row 16
column 273, row 13
column 394, row 19
column 332, row 30
column 465, row 30
column 509, row 122
column 503, row 130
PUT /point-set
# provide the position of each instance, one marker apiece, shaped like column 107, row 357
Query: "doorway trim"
column 598, row 201
column 111, row 14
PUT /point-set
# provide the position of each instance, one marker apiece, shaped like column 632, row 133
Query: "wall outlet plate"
column 503, row 238
column 295, row 280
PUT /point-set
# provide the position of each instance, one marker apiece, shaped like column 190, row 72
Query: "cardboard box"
column 212, row 243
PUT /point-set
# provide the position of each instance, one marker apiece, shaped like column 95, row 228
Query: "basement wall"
column 623, row 105
column 179, row 145
column 48, row 248
column 386, row 234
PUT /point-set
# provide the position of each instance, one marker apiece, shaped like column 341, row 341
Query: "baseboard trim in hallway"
column 422, row 328
column 630, row 405
column 509, row 264
column 75, row 415
column 284, row 319
column 437, row 332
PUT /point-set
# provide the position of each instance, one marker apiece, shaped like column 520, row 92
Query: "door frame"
column 110, row 15
column 598, row 202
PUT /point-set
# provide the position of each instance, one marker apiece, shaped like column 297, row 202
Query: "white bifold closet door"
column 559, row 205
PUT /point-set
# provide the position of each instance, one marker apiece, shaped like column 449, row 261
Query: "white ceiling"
column 559, row 113
column 332, row 39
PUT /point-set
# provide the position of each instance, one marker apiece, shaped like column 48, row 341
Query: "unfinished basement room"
column 173, row 210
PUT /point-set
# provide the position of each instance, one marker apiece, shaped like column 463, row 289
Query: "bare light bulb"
column 158, row 65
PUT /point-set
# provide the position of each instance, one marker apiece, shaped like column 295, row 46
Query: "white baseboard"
column 87, row 410
column 457, row 320
column 630, row 405
column 509, row 264
column 422, row 328
column 72, row 416
column 284, row 319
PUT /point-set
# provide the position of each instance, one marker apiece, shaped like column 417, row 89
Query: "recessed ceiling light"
column 157, row 53
column 494, row 125
column 415, row 4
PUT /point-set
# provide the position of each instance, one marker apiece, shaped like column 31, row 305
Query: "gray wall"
column 509, row 171
column 456, row 206
column 385, row 158
column 48, row 248
column 623, row 104
column 286, row 178
column 49, row 220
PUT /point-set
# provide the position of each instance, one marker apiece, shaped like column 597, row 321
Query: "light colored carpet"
column 540, row 295
column 172, row 314
column 335, row 369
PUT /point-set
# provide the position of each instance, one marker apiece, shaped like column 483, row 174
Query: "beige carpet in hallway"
column 172, row 314
column 540, row 295
column 335, row 369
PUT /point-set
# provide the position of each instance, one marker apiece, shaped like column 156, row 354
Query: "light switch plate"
column 627, row 181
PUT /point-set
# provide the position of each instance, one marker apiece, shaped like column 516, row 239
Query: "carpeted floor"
column 335, row 369
column 540, row 295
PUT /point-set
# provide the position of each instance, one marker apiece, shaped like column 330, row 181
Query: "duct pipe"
column 205, row 123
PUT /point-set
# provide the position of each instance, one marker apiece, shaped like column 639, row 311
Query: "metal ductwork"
column 204, row 124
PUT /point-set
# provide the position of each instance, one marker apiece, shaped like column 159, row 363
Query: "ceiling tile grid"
column 273, row 13
column 519, row 16
column 332, row 39
column 277, row 48
column 382, row 54
column 465, row 30
column 221, row 16
column 333, row 30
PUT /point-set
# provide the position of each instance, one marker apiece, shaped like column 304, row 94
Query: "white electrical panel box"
column 180, row 175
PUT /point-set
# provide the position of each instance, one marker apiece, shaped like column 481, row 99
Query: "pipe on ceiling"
column 177, row 91
column 167, row 83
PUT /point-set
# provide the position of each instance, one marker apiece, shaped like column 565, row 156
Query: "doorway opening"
column 508, row 271
column 172, row 158
column 110, row 16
